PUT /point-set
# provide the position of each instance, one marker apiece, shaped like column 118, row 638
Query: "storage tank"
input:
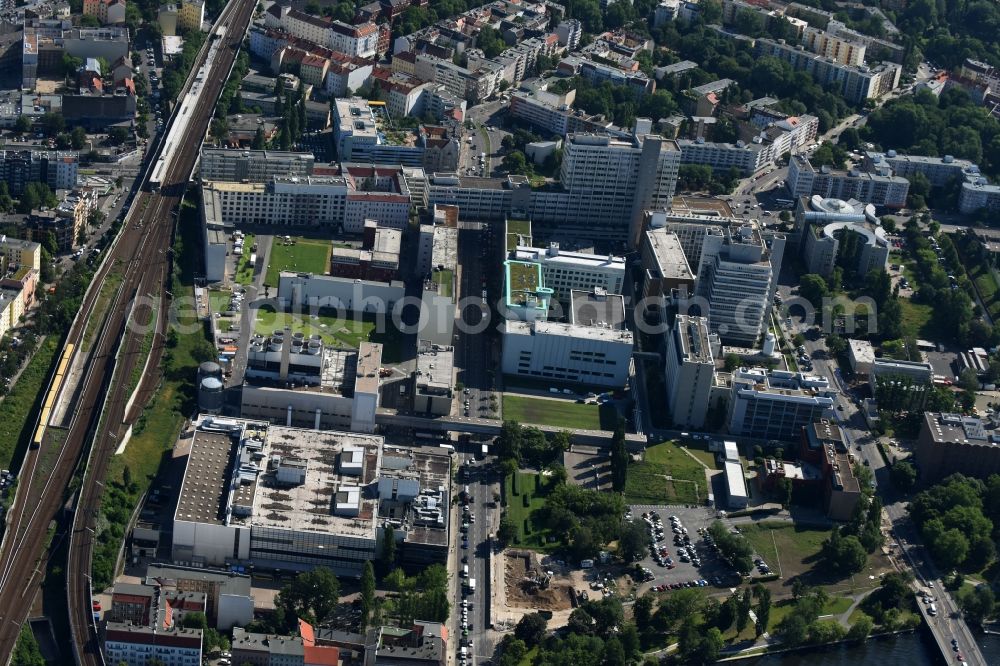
column 210, row 395
column 210, row 369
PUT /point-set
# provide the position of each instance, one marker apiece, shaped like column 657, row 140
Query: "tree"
column 78, row 137
column 22, row 124
column 53, row 124
column 861, row 628
column 388, row 547
column 506, row 531
column 516, row 163
column 793, row 629
column 743, row 606
column 785, row 492
column 642, row 611
column 367, row 594
column 313, row 595
column 978, row 603
column 763, row 609
column 259, row 142
column 619, row 458
column 531, row 629
column 632, row 544
column 196, row 620
column 903, row 475
column 813, row 288
column 508, row 444
column 732, row 361
column 844, row 555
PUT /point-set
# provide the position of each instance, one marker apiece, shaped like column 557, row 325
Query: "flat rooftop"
column 597, row 308
column 594, row 333
column 424, row 517
column 435, row 367
column 960, row 429
column 668, row 253
column 252, row 473
column 555, row 255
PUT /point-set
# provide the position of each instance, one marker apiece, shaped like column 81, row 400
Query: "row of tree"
column 957, row 519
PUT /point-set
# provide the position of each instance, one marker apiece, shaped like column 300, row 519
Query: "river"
column 912, row 649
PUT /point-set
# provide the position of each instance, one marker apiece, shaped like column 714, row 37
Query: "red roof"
column 307, row 633
column 321, row 656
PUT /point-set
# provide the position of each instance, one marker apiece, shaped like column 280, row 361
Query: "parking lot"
column 710, row 570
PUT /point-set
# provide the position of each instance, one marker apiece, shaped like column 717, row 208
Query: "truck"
column 484, row 451
column 471, row 584
column 253, row 260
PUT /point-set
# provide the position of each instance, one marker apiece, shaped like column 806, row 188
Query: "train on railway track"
column 50, row 397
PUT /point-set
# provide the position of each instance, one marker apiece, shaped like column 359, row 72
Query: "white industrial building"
column 594, row 348
column 690, row 371
column 300, row 290
column 736, row 485
column 292, row 499
column 564, row 271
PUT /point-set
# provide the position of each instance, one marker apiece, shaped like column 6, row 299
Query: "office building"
column 823, row 446
column 291, row 499
column 737, row 495
column 377, row 259
column 841, row 50
column 253, row 166
column 940, row 171
column 359, row 297
column 298, row 381
column 831, row 227
column 956, row 444
column 737, row 279
column 438, row 263
column 145, row 623
column 861, row 356
column 747, row 158
column 360, row 136
column 690, row 371
column 867, row 187
column 593, row 348
column 776, row 404
column 553, row 113
column 564, row 271
column 665, row 267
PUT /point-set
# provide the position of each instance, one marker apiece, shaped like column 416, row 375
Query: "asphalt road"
column 479, row 523
column 474, row 350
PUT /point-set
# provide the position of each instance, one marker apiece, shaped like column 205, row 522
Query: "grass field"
column 796, row 545
column 19, row 407
column 303, row 255
column 534, row 485
column 916, row 318
column 558, row 413
column 244, row 271
column 986, row 284
column 647, row 481
column 333, row 331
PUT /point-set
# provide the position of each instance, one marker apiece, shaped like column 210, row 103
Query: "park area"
column 793, row 550
column 301, row 255
column 666, row 475
column 569, row 414
column 525, row 493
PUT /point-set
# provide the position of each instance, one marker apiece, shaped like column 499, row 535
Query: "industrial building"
column 593, row 348
column 298, row 381
column 689, row 372
column 287, row 498
column 776, row 404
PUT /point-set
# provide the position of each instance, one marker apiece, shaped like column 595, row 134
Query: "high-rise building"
column 690, row 371
column 736, row 279
column 838, row 48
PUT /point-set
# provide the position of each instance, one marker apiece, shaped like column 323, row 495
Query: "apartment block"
column 552, row 112
column 776, row 404
column 144, row 624
column 747, row 158
column 18, row 253
column 57, row 169
column 359, row 41
column 823, row 445
column 867, row 187
column 842, row 50
column 253, row 166
column 689, row 372
column 854, row 83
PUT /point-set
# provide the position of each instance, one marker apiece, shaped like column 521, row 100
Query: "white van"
column 465, row 570
column 933, row 610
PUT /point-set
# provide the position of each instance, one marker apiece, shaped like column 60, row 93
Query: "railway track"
column 142, row 254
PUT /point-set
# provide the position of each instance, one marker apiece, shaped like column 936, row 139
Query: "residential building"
column 423, row 644
column 17, row 294
column 747, row 158
column 900, row 385
column 359, row 41
column 940, row 171
column 881, row 190
column 166, row 17
column 823, row 446
column 665, row 12
column 17, row 253
column 737, row 277
column 593, row 348
column 252, row 166
column 227, row 594
column 143, row 624
column 854, row 83
column 226, row 514
column 842, row 50
column 377, row 259
column 776, row 404
column 57, row 169
column 569, row 31
column 360, row 135
column 191, row 15
column 108, row 12
column 829, row 227
column 956, row 444
column 979, row 195
column 552, row 112
column 689, row 372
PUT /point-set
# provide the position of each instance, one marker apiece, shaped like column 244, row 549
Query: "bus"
column 784, row 203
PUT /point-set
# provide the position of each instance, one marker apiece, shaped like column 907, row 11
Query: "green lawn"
column 647, row 481
column 533, row 485
column 244, row 271
column 303, row 255
column 781, row 609
column 797, row 545
column 445, row 280
column 558, row 413
column 334, row 331
column 219, row 301
column 916, row 318
column 19, row 408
